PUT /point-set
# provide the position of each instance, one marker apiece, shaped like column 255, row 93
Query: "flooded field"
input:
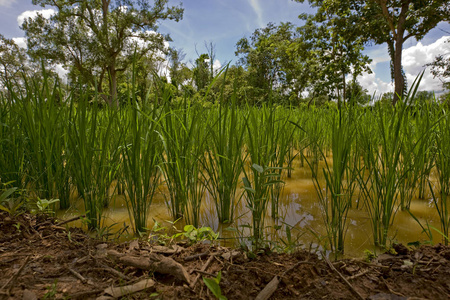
column 299, row 209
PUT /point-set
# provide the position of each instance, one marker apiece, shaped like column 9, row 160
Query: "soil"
column 40, row 259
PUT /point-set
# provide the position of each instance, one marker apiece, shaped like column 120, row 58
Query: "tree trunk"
column 398, row 74
column 113, row 86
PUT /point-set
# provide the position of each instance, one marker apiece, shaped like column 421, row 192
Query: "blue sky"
column 224, row 22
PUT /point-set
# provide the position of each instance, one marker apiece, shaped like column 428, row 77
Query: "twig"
column 343, row 278
column 14, row 278
column 203, row 269
column 296, row 265
column 269, row 289
column 77, row 275
column 70, row 220
column 391, row 290
column 199, row 255
column 358, row 275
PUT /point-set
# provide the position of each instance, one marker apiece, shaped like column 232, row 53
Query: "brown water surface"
column 298, row 207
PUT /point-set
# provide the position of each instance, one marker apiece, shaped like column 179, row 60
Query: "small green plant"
column 369, row 255
column 195, row 235
column 51, row 291
column 290, row 243
column 9, row 204
column 43, row 206
column 214, row 287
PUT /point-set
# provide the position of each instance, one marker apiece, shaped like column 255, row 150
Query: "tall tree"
column 13, row 61
column 201, row 72
column 389, row 21
column 333, row 50
column 98, row 37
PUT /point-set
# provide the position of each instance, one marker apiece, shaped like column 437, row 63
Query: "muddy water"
column 298, row 207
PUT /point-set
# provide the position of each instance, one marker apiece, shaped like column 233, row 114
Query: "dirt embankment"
column 41, row 260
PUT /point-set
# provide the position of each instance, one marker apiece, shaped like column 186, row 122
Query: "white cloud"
column 6, row 3
column 416, row 57
column 59, row 69
column 21, row 42
column 258, row 11
column 414, row 60
column 375, row 86
column 217, row 65
column 47, row 13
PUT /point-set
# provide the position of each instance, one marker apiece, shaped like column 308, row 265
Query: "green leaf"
column 258, row 168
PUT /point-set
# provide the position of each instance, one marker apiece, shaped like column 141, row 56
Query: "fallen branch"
column 269, row 289
column 118, row 292
column 343, row 278
column 153, row 262
column 70, row 220
column 195, row 256
column 358, row 275
column 77, row 275
column 113, row 271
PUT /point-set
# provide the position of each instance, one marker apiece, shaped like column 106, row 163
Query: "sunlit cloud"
column 258, row 11
column 21, row 42
column 6, row 3
column 414, row 60
column 46, row 13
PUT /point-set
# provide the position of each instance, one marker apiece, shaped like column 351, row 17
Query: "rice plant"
column 443, row 170
column 45, row 128
column 93, row 155
column 182, row 144
column 260, row 179
column 140, row 154
column 382, row 161
column 225, row 159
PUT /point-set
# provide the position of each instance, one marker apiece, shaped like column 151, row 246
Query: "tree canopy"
column 99, row 38
column 386, row 21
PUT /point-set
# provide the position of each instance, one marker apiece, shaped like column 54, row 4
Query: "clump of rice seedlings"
column 179, row 131
column 382, row 161
column 443, row 170
column 259, row 180
column 93, row 155
column 12, row 143
column 283, row 133
column 140, row 154
column 335, row 197
column 44, row 123
column 225, row 159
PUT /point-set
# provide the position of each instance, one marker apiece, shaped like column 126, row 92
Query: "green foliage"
column 214, row 287
column 391, row 22
column 11, row 205
column 43, row 206
column 195, row 235
column 98, row 38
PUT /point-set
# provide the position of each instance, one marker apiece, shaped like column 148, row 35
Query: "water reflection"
column 298, row 208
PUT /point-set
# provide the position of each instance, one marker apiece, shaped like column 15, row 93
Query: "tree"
column 97, row 37
column 273, row 60
column 441, row 68
column 13, row 61
column 201, row 72
column 388, row 21
column 333, row 51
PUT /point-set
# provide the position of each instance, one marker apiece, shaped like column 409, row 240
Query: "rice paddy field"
column 343, row 180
